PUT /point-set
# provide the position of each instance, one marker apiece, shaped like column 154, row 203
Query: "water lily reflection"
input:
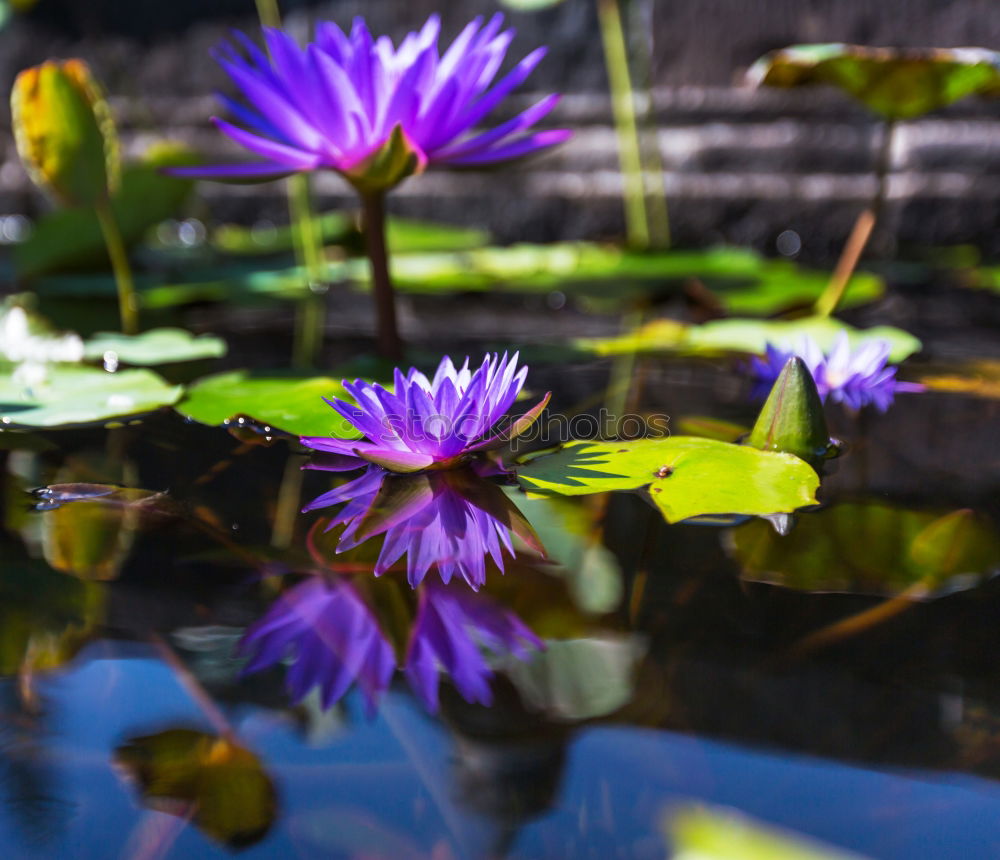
column 336, row 633
column 453, row 520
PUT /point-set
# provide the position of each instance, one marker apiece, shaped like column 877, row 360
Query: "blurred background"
column 740, row 166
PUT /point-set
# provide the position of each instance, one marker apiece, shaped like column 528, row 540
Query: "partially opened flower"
column 453, row 521
column 855, row 378
column 428, row 424
column 377, row 113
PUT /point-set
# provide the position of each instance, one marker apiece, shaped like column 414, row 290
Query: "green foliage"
column 157, row 346
column 702, row 834
column 746, row 335
column 71, row 239
column 897, row 83
column 71, row 396
column 222, row 786
column 871, row 548
column 686, row 476
column 293, row 404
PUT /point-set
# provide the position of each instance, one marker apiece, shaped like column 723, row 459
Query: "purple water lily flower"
column 372, row 111
column 453, row 521
column 852, row 377
column 428, row 424
column 333, row 639
column 451, row 630
column 332, row 636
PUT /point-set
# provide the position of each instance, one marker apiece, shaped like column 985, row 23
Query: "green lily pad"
column 73, row 396
column 703, row 834
column 897, row 83
column 293, row 404
column 870, row 548
column 158, row 346
column 222, row 786
column 71, row 239
column 686, row 476
column 746, row 335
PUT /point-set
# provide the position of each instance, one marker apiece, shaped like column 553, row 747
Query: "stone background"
column 741, row 166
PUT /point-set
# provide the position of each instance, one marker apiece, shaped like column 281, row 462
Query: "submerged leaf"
column 221, row 786
column 870, row 548
column 898, row 83
column 687, row 476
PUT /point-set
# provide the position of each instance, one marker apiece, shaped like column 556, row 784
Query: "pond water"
column 189, row 668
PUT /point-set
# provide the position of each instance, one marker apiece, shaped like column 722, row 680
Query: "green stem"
column 827, row 303
column 623, row 107
column 128, row 307
column 267, row 11
column 387, row 338
column 311, row 317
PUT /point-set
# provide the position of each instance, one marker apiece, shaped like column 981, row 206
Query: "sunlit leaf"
column 291, row 403
column 870, row 548
column 747, row 335
column 72, row 396
column 71, row 239
column 686, row 476
column 64, row 131
column 702, row 834
column 221, row 786
column 898, row 83
column 157, row 346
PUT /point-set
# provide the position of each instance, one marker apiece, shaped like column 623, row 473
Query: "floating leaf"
column 65, row 133
column 747, row 335
column 72, row 396
column 221, row 786
column 870, row 548
column 157, row 346
column 291, row 403
column 71, row 239
column 687, row 476
column 702, row 834
column 898, row 83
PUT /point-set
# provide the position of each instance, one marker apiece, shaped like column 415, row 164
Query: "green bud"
column 792, row 419
column 64, row 132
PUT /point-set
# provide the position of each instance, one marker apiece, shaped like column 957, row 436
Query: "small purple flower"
column 451, row 520
column 427, row 424
column 374, row 112
column 854, row 378
column 332, row 636
column 333, row 639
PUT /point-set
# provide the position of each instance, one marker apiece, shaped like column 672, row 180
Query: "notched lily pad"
column 158, row 346
column 686, row 476
column 71, row 396
column 293, row 404
column 898, row 83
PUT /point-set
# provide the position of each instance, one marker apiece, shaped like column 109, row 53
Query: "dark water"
column 820, row 682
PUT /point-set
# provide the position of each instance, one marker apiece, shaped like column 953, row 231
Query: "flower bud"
column 792, row 419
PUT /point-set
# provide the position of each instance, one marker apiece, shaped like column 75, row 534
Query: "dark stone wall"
column 740, row 166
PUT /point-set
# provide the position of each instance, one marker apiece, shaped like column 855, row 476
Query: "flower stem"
column 387, row 338
column 865, row 225
column 626, row 127
column 128, row 308
column 267, row 11
column 310, row 316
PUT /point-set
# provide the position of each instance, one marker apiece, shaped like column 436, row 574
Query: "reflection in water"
column 452, row 520
column 336, row 638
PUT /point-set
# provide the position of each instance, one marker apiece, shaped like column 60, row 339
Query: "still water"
column 191, row 669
